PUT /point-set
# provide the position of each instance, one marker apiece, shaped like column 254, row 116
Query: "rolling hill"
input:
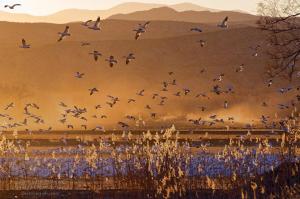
column 169, row 14
column 76, row 15
column 44, row 74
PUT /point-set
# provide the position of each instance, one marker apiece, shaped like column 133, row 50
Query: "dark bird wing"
column 87, row 22
column 146, row 24
column 17, row 4
column 60, row 38
column 224, row 22
column 66, row 29
column 97, row 21
column 137, row 35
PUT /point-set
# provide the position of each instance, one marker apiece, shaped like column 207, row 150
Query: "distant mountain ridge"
column 169, row 14
column 75, row 15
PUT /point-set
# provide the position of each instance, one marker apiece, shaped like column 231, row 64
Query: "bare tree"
column 281, row 20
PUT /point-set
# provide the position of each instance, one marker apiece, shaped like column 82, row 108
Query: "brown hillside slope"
column 44, row 74
column 169, row 14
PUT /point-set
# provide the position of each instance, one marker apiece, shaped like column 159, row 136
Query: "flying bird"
column 110, row 104
column 98, row 106
column 62, row 104
column 103, row 116
column 129, row 58
column 154, row 95
column 12, row 6
column 63, row 120
column 202, row 95
column 79, row 75
column 141, row 92
column 85, row 43
column 178, row 94
column 93, row 90
column 162, row 103
column 255, row 50
column 219, row 78
column 174, row 82
column 230, row 89
column 123, row 125
column 240, row 68
column 24, row 44
column 226, row 104
column 130, row 117
column 264, row 104
column 70, row 126
column 285, row 90
column 96, row 54
column 224, row 23
column 217, row 89
column 202, row 43
column 186, row 91
column 270, row 82
column 11, row 105
column 96, row 25
column 196, row 29
column 203, row 108
column 141, row 29
column 153, row 115
column 111, row 60
column 64, row 34
column 99, row 128
column 131, row 100
column 213, row 116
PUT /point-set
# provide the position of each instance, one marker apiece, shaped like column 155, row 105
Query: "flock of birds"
column 80, row 113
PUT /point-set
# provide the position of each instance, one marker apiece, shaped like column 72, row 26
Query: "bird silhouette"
column 79, row 75
column 64, row 34
column 24, row 44
column 129, row 58
column 12, row 6
column 96, row 25
column 93, row 90
column 202, row 43
column 111, row 60
column 141, row 29
column 196, row 29
column 141, row 92
column 224, row 23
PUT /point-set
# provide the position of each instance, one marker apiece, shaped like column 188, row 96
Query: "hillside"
column 44, row 74
column 169, row 14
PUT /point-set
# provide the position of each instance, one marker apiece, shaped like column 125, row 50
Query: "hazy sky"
column 44, row 7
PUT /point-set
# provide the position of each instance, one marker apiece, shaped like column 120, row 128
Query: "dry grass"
column 157, row 164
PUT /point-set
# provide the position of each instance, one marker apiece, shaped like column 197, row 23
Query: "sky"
column 46, row 7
